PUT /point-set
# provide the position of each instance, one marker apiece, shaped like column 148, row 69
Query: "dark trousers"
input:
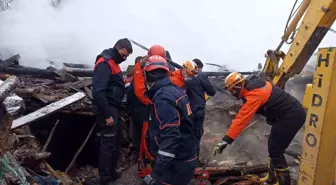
column 109, row 146
column 282, row 133
column 178, row 173
column 198, row 120
column 138, row 115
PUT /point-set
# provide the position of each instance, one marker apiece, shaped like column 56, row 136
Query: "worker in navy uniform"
column 282, row 111
column 138, row 101
column 171, row 141
column 197, row 87
column 108, row 92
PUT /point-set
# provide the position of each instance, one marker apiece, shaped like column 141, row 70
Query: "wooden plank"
column 47, row 110
column 7, row 87
column 82, row 83
column 88, row 92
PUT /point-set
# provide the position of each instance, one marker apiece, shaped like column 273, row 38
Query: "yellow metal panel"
column 318, row 18
column 319, row 148
column 307, row 96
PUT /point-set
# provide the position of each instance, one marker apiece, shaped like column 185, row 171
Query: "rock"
column 129, row 177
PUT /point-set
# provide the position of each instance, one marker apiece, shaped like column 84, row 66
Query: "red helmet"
column 156, row 62
column 157, row 50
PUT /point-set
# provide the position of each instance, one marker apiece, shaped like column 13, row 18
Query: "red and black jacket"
column 108, row 82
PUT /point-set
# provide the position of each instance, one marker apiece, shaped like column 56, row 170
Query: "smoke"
column 76, row 31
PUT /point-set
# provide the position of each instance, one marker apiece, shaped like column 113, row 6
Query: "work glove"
column 149, row 180
column 220, row 147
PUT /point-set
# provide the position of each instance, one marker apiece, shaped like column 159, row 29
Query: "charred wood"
column 14, row 60
column 216, row 172
column 50, row 136
column 63, row 74
column 26, row 92
column 28, row 71
column 80, row 149
column 71, row 65
column 81, row 83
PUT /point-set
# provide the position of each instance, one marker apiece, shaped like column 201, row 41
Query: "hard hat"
column 235, row 83
column 156, row 62
column 157, row 50
column 232, row 80
column 190, row 67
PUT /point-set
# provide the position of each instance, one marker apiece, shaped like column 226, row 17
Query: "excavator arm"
column 318, row 17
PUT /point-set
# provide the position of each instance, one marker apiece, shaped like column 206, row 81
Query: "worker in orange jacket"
column 188, row 70
column 138, row 102
column 282, row 111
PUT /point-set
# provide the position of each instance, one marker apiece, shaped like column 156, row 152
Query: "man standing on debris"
column 138, row 101
column 282, row 111
column 108, row 92
column 171, row 139
column 197, row 86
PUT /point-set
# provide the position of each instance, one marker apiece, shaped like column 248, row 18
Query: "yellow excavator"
column 318, row 164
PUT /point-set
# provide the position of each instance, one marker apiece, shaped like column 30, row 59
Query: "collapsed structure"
column 49, row 135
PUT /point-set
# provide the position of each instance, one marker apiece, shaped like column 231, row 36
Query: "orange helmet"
column 190, row 67
column 234, row 83
column 156, row 62
column 157, row 50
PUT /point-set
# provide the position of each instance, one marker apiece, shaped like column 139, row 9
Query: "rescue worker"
column 197, row 86
column 168, row 57
column 139, row 102
column 188, row 70
column 171, row 139
column 199, row 64
column 282, row 111
column 108, row 92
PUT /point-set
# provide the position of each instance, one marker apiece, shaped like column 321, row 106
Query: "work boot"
column 277, row 176
column 270, row 177
column 282, row 175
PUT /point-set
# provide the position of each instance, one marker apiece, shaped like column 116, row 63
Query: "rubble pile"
column 47, row 128
column 29, row 131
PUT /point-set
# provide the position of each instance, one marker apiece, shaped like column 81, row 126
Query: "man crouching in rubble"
column 108, row 92
column 282, row 111
column 171, row 139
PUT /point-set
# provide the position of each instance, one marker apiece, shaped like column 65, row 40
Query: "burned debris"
column 49, row 136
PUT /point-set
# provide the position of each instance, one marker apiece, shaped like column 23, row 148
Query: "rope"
column 16, row 171
column 3, row 170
